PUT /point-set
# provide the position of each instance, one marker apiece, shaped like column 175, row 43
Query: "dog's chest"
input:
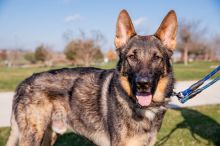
column 154, row 114
column 149, row 127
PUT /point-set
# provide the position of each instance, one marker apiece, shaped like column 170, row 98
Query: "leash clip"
column 193, row 90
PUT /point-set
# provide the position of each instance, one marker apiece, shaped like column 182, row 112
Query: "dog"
column 117, row 107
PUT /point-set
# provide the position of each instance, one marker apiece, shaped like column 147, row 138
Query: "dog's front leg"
column 119, row 144
column 117, row 140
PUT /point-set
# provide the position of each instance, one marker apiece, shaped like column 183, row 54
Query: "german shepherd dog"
column 117, row 107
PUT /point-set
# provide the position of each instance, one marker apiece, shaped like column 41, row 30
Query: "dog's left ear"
column 167, row 30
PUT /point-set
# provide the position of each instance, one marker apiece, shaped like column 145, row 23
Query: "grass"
column 11, row 77
column 197, row 126
column 194, row 70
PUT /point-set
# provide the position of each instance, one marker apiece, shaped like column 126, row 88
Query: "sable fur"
column 98, row 104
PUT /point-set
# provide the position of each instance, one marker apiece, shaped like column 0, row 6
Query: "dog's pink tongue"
column 144, row 100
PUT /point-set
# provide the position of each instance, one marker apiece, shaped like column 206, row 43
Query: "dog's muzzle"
column 143, row 91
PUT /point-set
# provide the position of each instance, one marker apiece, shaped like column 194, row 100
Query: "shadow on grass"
column 198, row 124
column 71, row 139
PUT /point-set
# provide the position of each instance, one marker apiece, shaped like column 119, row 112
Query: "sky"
column 25, row 24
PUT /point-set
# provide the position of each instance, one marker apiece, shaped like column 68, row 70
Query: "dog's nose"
column 142, row 81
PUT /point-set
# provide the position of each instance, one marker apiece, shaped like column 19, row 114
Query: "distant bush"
column 42, row 53
column 3, row 55
column 83, row 52
column 111, row 55
column 30, row 57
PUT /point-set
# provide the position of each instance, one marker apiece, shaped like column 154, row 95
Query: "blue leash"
column 193, row 90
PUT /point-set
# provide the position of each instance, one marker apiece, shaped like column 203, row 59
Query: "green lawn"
column 197, row 126
column 10, row 77
column 194, row 71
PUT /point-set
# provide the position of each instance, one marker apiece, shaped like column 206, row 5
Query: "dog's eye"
column 132, row 57
column 156, row 57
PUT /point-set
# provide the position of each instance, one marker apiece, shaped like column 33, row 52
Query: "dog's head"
column 144, row 61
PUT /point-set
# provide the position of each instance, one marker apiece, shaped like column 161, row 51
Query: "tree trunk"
column 212, row 54
column 186, row 54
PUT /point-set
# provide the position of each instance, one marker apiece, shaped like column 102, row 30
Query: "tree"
column 215, row 44
column 30, row 56
column 191, row 40
column 111, row 55
column 83, row 52
column 70, row 50
column 3, row 55
column 185, row 36
column 84, row 49
column 98, row 55
column 42, row 53
column 14, row 57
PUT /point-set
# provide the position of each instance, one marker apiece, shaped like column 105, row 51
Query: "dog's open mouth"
column 144, row 98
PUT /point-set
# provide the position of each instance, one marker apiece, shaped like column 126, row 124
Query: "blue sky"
column 28, row 23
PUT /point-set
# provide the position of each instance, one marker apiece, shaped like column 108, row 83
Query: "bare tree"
column 12, row 57
column 111, row 55
column 3, row 55
column 98, row 37
column 42, row 53
column 185, row 37
column 68, row 35
column 30, row 57
column 191, row 39
column 85, row 50
column 215, row 44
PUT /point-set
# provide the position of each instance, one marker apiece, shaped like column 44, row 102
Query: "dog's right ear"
column 124, row 29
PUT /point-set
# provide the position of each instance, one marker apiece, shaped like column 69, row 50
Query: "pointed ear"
column 124, row 29
column 167, row 30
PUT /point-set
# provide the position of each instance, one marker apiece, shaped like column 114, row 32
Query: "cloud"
column 72, row 18
column 139, row 21
column 141, row 25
